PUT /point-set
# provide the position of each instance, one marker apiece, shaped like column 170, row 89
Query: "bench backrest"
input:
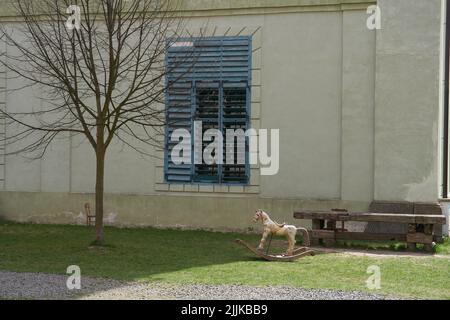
column 403, row 207
column 387, row 217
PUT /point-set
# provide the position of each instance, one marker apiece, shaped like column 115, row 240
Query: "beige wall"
column 357, row 112
column 407, row 101
column 302, row 90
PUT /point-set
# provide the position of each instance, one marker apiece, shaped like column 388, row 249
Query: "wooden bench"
column 327, row 229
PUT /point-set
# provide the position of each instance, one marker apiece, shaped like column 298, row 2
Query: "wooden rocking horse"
column 272, row 228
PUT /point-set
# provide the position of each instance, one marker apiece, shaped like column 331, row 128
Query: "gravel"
column 46, row 286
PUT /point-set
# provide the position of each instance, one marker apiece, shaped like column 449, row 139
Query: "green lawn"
column 180, row 257
column 444, row 248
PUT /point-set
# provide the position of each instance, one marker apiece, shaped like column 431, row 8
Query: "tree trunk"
column 99, row 191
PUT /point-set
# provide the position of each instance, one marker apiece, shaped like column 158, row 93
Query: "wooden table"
column 327, row 229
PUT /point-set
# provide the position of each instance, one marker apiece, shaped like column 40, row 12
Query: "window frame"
column 247, row 83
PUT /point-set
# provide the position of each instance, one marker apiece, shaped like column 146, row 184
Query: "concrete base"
column 221, row 213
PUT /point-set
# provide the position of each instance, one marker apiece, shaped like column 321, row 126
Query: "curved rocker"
column 296, row 254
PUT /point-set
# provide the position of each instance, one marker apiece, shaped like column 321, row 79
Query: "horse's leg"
column 263, row 239
column 291, row 241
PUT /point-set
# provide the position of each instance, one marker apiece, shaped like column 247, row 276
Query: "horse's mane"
column 280, row 225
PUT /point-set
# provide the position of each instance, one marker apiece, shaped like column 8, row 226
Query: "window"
column 209, row 82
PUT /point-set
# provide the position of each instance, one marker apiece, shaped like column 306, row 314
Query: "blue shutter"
column 211, row 59
column 178, row 116
column 210, row 82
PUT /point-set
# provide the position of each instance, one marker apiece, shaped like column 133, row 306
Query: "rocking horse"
column 272, row 228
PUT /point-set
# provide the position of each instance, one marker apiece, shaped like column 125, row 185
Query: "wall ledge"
column 198, row 8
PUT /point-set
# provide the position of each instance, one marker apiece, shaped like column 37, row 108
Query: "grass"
column 183, row 257
column 444, row 248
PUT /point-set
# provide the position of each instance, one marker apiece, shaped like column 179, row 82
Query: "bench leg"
column 428, row 230
column 412, row 246
column 331, row 225
column 437, row 232
column 317, row 224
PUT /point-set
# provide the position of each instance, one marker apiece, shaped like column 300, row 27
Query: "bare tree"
column 102, row 79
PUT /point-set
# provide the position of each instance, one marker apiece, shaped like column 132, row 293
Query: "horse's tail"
column 305, row 234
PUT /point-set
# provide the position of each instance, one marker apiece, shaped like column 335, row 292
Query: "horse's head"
column 260, row 215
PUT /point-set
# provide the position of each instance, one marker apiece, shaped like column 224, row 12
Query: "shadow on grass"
column 128, row 254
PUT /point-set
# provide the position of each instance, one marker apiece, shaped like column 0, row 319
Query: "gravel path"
column 45, row 286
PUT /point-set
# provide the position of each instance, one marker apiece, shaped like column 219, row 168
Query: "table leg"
column 317, row 224
column 331, row 225
column 412, row 229
column 428, row 230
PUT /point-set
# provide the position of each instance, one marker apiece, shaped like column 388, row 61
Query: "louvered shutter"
column 213, row 76
column 179, row 115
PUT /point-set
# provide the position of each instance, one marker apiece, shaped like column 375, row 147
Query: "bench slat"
column 371, row 217
column 367, row 236
column 419, row 238
column 382, row 217
column 337, row 235
column 321, row 215
column 430, row 219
